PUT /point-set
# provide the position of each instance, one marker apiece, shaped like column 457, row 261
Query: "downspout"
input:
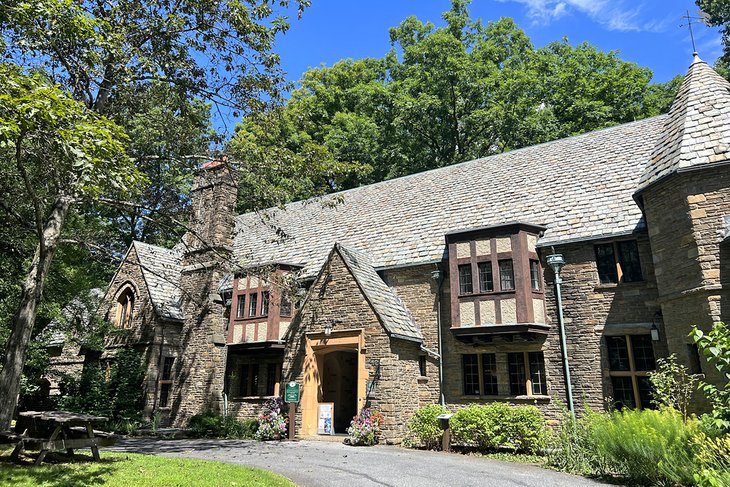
column 557, row 262
column 438, row 275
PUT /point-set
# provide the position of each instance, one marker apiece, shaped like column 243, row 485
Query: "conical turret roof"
column 697, row 129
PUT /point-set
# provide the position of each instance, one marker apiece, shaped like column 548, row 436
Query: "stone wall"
column 391, row 363
column 686, row 214
column 419, row 292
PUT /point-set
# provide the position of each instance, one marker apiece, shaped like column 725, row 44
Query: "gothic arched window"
column 125, row 308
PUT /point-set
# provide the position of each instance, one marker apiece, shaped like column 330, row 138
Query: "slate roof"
column 392, row 312
column 161, row 269
column 697, row 128
column 580, row 188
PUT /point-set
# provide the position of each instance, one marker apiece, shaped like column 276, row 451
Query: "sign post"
column 291, row 396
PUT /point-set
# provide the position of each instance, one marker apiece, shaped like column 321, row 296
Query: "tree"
column 718, row 15
column 459, row 92
column 54, row 153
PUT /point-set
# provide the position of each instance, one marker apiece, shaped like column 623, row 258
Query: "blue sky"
column 646, row 32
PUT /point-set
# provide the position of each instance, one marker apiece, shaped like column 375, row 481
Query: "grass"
column 516, row 458
column 130, row 469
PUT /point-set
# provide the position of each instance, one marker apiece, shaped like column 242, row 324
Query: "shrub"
column 424, row 426
column 233, row 428
column 365, row 428
column 715, row 345
column 272, row 424
column 712, row 460
column 647, row 447
column 672, row 385
column 207, row 424
column 499, row 425
column 572, row 445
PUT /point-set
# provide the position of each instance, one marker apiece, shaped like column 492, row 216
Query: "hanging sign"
column 325, row 418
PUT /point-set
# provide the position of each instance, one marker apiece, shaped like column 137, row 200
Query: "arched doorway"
column 339, row 385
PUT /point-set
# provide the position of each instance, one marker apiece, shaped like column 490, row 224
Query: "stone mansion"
column 435, row 287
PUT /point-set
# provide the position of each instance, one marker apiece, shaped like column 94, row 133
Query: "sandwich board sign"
column 325, row 418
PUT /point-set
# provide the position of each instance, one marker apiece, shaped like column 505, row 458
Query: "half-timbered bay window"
column 618, row 262
column 630, row 360
column 496, row 281
column 166, row 381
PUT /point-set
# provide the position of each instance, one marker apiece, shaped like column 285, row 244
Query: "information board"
column 326, row 418
column 291, row 392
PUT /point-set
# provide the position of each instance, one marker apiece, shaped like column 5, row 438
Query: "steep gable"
column 161, row 269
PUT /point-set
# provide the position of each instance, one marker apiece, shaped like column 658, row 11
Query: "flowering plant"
column 272, row 424
column 365, row 427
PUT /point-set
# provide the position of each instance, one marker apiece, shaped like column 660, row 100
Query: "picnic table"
column 58, row 430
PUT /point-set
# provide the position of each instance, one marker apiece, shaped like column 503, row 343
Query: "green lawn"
column 129, row 469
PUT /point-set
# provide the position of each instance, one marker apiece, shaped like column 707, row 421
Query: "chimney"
column 214, row 193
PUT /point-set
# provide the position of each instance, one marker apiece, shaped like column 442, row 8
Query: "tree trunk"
column 24, row 319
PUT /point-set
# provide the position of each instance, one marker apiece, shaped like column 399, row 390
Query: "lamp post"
column 556, row 262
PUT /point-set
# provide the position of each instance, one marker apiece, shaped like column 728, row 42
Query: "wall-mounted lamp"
column 328, row 328
column 654, row 328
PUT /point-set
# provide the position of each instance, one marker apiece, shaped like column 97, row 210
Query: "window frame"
column 253, row 304
column 535, row 275
column 502, row 281
column 464, row 282
column 166, row 381
column 632, row 372
column 525, row 361
column 125, row 309
column 248, row 385
column 240, row 306
column 619, row 265
column 265, row 301
column 273, row 377
column 480, row 374
column 485, row 264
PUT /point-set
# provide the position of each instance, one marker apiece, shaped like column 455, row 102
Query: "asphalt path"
column 325, row 464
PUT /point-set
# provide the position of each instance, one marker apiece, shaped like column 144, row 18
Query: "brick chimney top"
column 215, row 163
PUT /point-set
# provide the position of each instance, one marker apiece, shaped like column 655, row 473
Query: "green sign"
column 291, row 392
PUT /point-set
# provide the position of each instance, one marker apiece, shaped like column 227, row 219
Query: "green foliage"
column 672, row 385
column 712, row 460
column 449, row 94
column 499, row 425
column 207, row 424
column 715, row 345
column 114, row 391
column 719, row 15
column 573, row 446
column 647, row 447
column 424, row 426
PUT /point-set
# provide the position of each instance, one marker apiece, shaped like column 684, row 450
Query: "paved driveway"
column 319, row 463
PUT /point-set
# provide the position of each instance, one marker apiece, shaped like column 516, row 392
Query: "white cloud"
column 614, row 15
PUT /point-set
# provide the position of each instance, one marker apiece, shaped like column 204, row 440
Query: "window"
column 241, row 306
column 465, row 283
column 630, row 359
column 506, row 275
column 125, row 308
column 264, row 303
column 527, row 373
column 252, row 298
column 486, row 282
column 618, row 262
column 249, row 385
column 535, row 275
column 273, row 376
column 422, row 365
column 470, row 365
column 474, row 381
column 166, row 381
column 285, row 305
column 489, row 374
